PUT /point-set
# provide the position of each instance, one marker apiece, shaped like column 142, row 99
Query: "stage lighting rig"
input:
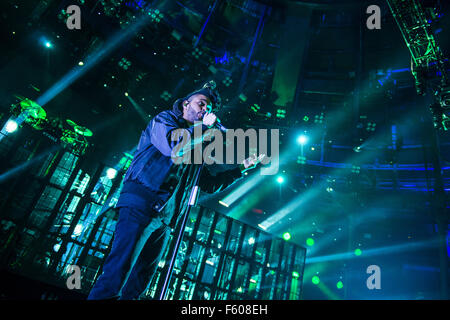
column 281, row 113
column 227, row 81
column 166, row 95
column 319, row 118
column 415, row 24
column 301, row 160
column 444, row 97
column 11, row 126
column 428, row 64
column 440, row 109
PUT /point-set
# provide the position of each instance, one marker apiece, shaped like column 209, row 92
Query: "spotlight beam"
column 138, row 109
column 315, row 191
column 404, row 247
column 291, row 207
column 23, row 166
column 243, row 189
column 78, row 71
column 330, row 294
column 17, row 122
column 249, row 201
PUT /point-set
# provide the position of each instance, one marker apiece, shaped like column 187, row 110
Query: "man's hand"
column 209, row 119
column 251, row 162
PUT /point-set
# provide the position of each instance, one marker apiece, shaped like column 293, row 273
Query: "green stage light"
column 301, row 160
column 124, row 63
column 255, row 108
column 227, row 81
column 371, row 126
column 356, row 169
column 295, row 274
column 166, row 95
column 286, row 236
column 358, row 252
column 318, row 119
column 310, row 242
column 339, row 285
column 197, row 53
column 243, row 97
column 280, row 179
column 281, row 113
column 125, row 162
column 315, row 280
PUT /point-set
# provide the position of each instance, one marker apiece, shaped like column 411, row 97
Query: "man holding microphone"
column 155, row 194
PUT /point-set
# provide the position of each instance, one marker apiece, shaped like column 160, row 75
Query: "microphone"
column 220, row 126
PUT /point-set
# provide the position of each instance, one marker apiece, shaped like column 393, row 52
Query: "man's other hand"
column 251, row 162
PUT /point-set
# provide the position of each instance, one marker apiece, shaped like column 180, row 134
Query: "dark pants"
column 139, row 242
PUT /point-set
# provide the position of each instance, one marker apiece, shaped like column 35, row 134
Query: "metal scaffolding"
column 415, row 26
column 60, row 215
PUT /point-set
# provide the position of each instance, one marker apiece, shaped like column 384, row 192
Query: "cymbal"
column 32, row 109
column 83, row 131
column 39, row 124
column 71, row 123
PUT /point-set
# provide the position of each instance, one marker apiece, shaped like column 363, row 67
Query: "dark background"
column 306, row 57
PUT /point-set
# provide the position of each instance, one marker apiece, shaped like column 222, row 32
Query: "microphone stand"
column 192, row 200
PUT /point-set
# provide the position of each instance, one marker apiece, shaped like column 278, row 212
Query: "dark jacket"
column 154, row 183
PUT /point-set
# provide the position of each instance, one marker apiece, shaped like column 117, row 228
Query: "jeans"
column 139, row 242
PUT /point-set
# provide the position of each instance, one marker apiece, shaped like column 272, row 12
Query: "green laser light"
column 310, row 242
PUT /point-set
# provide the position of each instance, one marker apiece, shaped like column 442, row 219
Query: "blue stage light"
column 302, row 139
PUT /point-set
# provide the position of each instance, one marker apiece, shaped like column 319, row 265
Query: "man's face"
column 195, row 108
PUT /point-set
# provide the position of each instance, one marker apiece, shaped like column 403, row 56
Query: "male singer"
column 155, row 194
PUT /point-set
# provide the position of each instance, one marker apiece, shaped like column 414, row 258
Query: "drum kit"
column 33, row 114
